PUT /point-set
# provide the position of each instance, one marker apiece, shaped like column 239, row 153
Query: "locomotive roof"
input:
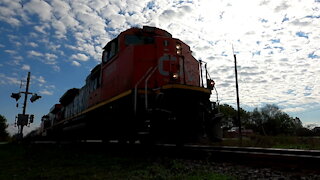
column 68, row 96
column 55, row 108
column 153, row 31
column 150, row 30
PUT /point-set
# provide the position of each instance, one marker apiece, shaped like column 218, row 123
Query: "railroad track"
column 314, row 154
column 283, row 159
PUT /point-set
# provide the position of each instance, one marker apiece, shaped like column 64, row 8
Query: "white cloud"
column 18, row 44
column 10, row 51
column 4, row 79
column 53, row 47
column 7, row 13
column 10, row 20
column 40, row 8
column 50, row 56
column 46, row 92
column 117, row 21
column 41, row 29
column 35, row 53
column 311, row 125
column 60, row 8
column 50, row 86
column 12, row 129
column 56, row 68
column 69, row 21
column 75, row 63
column 80, row 57
column 25, row 67
column 61, row 29
column 32, row 44
column 41, row 79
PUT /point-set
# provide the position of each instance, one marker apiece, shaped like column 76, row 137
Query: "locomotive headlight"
column 179, row 49
column 175, row 75
column 178, row 46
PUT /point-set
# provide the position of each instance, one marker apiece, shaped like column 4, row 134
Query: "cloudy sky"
column 60, row 41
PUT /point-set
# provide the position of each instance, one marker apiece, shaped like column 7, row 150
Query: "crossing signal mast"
column 24, row 119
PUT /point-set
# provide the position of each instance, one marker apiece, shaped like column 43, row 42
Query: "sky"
column 60, row 41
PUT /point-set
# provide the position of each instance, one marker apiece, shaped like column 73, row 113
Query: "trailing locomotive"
column 147, row 87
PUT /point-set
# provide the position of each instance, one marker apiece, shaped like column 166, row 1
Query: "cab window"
column 138, row 40
column 110, row 50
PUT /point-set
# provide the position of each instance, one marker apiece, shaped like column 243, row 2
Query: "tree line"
column 268, row 120
column 4, row 135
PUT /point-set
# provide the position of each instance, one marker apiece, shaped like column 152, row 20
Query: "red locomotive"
column 147, row 87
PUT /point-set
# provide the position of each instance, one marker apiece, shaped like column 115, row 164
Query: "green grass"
column 64, row 162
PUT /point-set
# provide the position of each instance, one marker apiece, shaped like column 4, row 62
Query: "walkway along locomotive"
column 147, row 87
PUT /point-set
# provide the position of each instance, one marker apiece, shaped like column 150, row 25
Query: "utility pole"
column 24, row 119
column 237, row 89
column 26, row 95
column 21, row 123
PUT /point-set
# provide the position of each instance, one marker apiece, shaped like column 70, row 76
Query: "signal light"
column 16, row 96
column 31, row 118
column 34, row 97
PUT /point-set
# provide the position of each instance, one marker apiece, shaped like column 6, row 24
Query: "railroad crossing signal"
column 16, row 96
column 34, row 97
column 24, row 119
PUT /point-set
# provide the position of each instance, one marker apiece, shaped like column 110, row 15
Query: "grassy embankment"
column 68, row 162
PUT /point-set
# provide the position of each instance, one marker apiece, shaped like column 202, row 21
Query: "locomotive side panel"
column 116, row 75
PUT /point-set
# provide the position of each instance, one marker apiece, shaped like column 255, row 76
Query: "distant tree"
column 316, row 131
column 230, row 116
column 257, row 122
column 304, row 132
column 270, row 120
column 3, row 125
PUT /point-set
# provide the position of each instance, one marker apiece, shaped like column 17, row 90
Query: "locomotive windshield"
column 138, row 40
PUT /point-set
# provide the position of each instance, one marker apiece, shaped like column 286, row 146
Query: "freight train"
column 148, row 87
